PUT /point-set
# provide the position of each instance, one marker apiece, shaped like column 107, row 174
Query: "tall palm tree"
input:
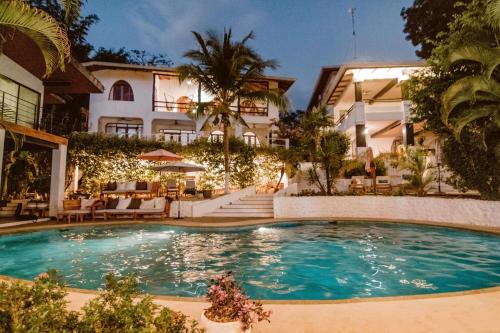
column 475, row 97
column 227, row 70
column 41, row 28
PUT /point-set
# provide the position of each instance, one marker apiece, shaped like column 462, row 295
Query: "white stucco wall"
column 458, row 211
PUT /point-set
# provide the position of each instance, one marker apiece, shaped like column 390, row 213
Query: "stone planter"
column 214, row 327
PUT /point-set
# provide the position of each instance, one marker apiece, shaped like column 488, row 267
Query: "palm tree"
column 475, row 97
column 421, row 171
column 227, row 70
column 41, row 28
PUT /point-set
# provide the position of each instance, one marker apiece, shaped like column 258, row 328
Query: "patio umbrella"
column 160, row 155
column 178, row 167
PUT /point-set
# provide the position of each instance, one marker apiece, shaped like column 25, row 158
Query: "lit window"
column 121, row 91
column 216, row 136
column 251, row 139
column 124, row 130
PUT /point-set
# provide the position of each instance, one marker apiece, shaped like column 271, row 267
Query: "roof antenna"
column 351, row 12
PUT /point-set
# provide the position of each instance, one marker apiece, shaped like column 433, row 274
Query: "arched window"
column 251, row 139
column 121, row 91
column 216, row 136
column 184, row 104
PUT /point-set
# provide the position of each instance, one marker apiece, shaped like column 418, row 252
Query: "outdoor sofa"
column 131, row 188
column 132, row 208
column 78, row 208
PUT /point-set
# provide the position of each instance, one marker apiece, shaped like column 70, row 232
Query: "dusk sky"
column 302, row 35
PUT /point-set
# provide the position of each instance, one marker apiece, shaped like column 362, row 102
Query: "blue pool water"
column 289, row 261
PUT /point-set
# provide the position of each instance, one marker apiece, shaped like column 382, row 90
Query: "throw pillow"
column 141, row 186
column 148, row 204
column 123, row 203
column 86, row 203
column 135, row 203
column 120, row 186
column 130, row 186
column 160, row 203
column 112, row 203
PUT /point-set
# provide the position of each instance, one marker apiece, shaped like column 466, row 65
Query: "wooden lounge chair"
column 172, row 187
column 383, row 185
column 357, row 184
column 74, row 208
column 190, row 188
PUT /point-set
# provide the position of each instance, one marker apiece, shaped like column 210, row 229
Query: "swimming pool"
column 313, row 260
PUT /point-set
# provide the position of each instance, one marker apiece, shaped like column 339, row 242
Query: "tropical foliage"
column 41, row 28
column 457, row 97
column 228, row 71
column 421, row 171
column 41, row 307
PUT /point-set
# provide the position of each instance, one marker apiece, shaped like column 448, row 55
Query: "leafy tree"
column 425, row 20
column 40, row 27
column 329, row 155
column 421, row 171
column 67, row 13
column 136, row 57
column 460, row 120
column 226, row 70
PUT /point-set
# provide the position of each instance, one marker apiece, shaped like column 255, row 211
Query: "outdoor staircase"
column 10, row 209
column 259, row 205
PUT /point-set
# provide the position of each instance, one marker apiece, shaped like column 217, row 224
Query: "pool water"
column 313, row 260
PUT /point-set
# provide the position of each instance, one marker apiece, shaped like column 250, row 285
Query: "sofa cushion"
column 123, row 203
column 130, row 186
column 141, row 186
column 135, row 203
column 149, row 211
column 147, row 204
column 111, row 186
column 160, row 203
column 112, row 203
column 120, row 186
column 86, row 203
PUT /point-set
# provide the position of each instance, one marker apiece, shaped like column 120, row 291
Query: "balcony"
column 18, row 111
column 187, row 106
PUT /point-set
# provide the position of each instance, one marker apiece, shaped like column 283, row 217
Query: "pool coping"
column 256, row 222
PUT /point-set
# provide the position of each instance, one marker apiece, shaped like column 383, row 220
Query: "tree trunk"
column 225, row 141
column 276, row 189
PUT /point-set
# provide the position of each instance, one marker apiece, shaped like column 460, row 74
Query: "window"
column 180, row 136
column 216, row 136
column 124, row 130
column 18, row 104
column 121, row 91
column 251, row 139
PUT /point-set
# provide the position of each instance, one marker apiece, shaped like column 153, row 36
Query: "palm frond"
column 489, row 58
column 39, row 27
column 470, row 89
column 71, row 9
column 469, row 116
column 493, row 13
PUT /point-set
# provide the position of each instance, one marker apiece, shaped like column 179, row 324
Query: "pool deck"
column 469, row 311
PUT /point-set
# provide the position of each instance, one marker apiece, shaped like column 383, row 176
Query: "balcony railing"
column 182, row 138
column 163, row 106
column 18, row 111
column 344, row 116
column 279, row 143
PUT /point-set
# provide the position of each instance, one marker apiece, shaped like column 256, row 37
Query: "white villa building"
column 367, row 101
column 149, row 101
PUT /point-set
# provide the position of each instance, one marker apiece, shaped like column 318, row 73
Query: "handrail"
column 345, row 115
column 184, row 107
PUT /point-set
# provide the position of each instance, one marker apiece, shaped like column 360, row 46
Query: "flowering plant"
column 229, row 303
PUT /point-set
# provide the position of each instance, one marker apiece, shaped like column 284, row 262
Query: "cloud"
column 166, row 25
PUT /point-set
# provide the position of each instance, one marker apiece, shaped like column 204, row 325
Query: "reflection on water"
column 294, row 261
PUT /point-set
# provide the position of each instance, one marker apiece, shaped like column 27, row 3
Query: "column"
column 147, row 128
column 360, row 120
column 408, row 132
column 57, row 179
column 238, row 131
column 2, row 147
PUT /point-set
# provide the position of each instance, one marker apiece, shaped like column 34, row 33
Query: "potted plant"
column 206, row 185
column 231, row 311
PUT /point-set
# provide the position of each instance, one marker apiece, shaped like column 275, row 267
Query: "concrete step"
column 6, row 213
column 255, row 199
column 232, row 214
column 248, row 205
column 244, row 210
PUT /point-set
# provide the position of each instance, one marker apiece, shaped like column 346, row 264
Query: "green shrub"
column 42, row 308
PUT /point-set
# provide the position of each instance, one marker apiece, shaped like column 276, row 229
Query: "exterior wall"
column 456, row 211
column 13, row 71
column 167, row 91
